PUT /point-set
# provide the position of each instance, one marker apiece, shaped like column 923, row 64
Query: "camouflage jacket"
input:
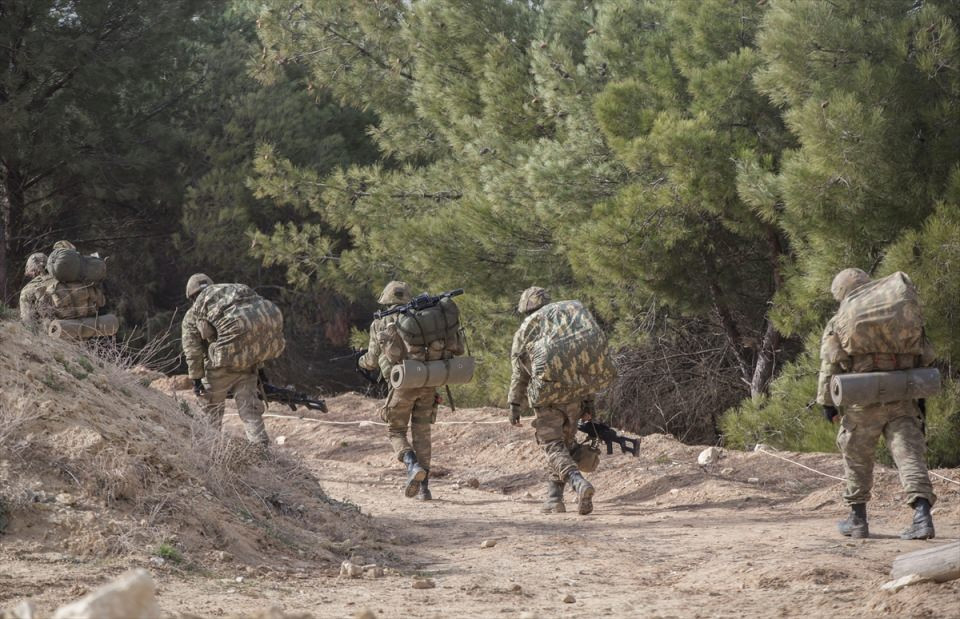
column 230, row 326
column 522, row 357
column 375, row 358
column 835, row 360
column 32, row 306
column 44, row 299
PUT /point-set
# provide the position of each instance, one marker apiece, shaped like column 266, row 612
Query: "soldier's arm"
column 371, row 359
column 832, row 357
column 520, row 371
column 194, row 348
column 28, row 311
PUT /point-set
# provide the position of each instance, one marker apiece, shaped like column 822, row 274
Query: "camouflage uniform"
column 555, row 425
column 415, row 409
column 861, row 426
column 559, row 393
column 225, row 346
column 44, row 298
column 35, row 307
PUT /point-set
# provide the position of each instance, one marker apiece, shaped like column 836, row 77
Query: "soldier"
column 32, row 292
column 227, row 333
column 860, row 426
column 45, row 298
column 404, row 408
column 556, row 421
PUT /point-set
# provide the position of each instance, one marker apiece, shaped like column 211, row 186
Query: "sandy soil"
column 751, row 536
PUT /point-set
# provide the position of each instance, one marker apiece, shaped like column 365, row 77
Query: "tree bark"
column 940, row 564
column 11, row 216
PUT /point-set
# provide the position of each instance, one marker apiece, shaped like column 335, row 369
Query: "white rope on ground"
column 364, row 422
column 764, row 451
column 952, row 481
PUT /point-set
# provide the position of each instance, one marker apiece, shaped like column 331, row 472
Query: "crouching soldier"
column 560, row 360
column 227, row 334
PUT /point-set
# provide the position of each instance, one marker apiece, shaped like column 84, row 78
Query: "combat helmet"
column 64, row 245
column 532, row 299
column 847, row 281
column 36, row 263
column 395, row 293
column 196, row 283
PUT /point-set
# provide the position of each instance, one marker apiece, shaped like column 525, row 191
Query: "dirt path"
column 750, row 537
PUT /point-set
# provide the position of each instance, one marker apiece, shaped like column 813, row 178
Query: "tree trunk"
column 940, row 564
column 766, row 362
column 11, row 215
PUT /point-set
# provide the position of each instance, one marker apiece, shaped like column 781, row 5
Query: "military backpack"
column 569, row 358
column 882, row 316
column 243, row 328
column 69, row 267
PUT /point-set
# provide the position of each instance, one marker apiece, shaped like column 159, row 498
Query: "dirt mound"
column 93, row 463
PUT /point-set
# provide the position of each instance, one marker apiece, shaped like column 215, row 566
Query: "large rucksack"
column 69, row 266
column 433, row 332
column 882, row 316
column 246, row 328
column 569, row 359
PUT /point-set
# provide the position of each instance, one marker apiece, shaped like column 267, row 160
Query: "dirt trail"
column 749, row 537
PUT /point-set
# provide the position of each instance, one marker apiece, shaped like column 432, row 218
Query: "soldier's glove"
column 198, row 388
column 830, row 413
column 515, row 414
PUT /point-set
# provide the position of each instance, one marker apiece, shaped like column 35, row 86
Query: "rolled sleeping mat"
column 879, row 387
column 105, row 325
column 413, row 374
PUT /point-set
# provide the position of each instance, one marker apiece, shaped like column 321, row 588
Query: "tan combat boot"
column 584, row 490
column 554, row 503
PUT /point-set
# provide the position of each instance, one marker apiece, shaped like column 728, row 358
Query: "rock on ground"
column 132, row 596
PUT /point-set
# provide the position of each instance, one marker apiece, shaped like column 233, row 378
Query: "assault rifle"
column 419, row 302
column 372, row 376
column 272, row 393
column 603, row 432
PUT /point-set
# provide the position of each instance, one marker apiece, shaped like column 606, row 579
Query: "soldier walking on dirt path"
column 413, row 409
column 227, row 334
column 558, row 383
column 900, row 422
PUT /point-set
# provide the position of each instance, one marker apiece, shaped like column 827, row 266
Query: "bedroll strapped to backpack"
column 569, row 359
column 882, row 316
column 69, row 266
column 246, row 328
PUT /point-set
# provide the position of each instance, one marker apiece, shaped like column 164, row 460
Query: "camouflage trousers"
column 556, row 430
column 415, row 409
column 243, row 384
column 899, row 423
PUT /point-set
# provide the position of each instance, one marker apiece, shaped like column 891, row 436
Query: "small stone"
column 65, row 498
column 350, row 570
column 753, row 480
column 710, row 455
column 569, row 599
column 726, row 471
column 423, row 583
column 473, row 482
column 374, row 572
column 366, row 613
column 281, row 440
column 527, row 614
column 674, row 491
column 131, row 595
column 239, row 579
column 488, row 543
column 231, row 590
column 158, row 561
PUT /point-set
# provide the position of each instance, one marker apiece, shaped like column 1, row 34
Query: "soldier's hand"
column 198, row 388
column 831, row 414
column 514, row 414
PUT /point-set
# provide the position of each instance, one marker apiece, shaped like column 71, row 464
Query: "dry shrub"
column 679, row 382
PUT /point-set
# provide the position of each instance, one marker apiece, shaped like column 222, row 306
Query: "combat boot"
column 415, row 474
column 584, row 490
column 424, row 493
column 922, row 527
column 554, row 503
column 856, row 523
